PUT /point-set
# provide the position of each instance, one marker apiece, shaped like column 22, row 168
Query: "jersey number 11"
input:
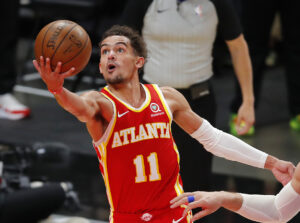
column 140, row 168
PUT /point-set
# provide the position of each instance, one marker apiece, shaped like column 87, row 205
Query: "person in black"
column 180, row 37
column 10, row 107
column 257, row 18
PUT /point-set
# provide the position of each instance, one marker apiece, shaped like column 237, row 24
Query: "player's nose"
column 111, row 55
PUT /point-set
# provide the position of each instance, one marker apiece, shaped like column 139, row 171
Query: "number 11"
column 140, row 168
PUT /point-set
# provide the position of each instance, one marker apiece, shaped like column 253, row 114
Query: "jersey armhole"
column 163, row 101
column 108, row 131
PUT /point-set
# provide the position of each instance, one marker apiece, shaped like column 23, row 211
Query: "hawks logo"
column 154, row 107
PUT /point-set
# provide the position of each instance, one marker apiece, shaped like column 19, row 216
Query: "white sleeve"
column 269, row 208
column 225, row 145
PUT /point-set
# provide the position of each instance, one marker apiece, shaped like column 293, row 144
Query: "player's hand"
column 283, row 171
column 245, row 118
column 53, row 79
column 209, row 202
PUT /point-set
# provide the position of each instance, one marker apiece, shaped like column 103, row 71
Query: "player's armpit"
column 182, row 113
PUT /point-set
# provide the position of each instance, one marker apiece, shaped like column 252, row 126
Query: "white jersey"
column 179, row 42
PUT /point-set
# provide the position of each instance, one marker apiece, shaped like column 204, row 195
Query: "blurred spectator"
column 257, row 19
column 10, row 107
column 179, row 37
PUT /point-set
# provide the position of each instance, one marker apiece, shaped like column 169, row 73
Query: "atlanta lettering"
column 142, row 132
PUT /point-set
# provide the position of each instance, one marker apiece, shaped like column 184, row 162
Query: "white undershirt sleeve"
column 269, row 208
column 225, row 145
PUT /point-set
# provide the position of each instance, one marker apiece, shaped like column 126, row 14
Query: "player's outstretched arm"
column 220, row 143
column 261, row 208
column 83, row 107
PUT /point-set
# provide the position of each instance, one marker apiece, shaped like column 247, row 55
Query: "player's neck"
column 130, row 92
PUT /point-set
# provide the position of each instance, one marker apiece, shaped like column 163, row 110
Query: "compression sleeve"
column 269, row 208
column 225, row 145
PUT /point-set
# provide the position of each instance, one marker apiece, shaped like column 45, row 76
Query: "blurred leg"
column 291, row 35
column 8, row 41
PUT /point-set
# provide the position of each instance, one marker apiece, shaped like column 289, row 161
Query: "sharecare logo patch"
column 154, row 107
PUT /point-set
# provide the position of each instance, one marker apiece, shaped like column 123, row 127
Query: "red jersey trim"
column 101, row 144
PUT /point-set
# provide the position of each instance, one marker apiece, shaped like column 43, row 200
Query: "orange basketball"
column 64, row 41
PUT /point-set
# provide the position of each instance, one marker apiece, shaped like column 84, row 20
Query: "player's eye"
column 120, row 50
column 104, row 52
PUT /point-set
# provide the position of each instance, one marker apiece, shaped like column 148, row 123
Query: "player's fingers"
column 291, row 169
column 238, row 120
column 200, row 214
column 191, row 206
column 42, row 63
column 178, row 203
column 243, row 129
column 58, row 67
column 48, row 67
column 36, row 65
column 181, row 196
column 69, row 73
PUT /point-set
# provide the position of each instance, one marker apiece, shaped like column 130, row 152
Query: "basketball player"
column 261, row 208
column 130, row 126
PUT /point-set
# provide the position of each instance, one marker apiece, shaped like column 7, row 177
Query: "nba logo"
column 198, row 10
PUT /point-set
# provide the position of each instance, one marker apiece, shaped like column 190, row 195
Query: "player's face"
column 118, row 62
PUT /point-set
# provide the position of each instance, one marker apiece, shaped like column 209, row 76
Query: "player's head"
column 122, row 52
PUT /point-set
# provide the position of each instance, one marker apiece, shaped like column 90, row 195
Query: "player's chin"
column 115, row 80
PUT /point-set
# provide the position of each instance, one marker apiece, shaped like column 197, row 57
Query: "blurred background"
column 51, row 147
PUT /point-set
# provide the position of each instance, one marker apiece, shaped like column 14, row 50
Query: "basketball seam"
column 62, row 42
column 79, row 51
column 45, row 35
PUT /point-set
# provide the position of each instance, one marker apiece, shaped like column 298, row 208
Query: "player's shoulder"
column 92, row 95
column 169, row 92
column 175, row 100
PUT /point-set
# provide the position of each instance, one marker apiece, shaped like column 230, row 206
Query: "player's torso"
column 138, row 156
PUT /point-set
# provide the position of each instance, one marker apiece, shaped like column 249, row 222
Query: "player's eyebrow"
column 117, row 43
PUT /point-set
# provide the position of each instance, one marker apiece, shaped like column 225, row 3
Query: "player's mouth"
column 111, row 67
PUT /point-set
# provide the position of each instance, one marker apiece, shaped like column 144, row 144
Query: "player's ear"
column 100, row 68
column 140, row 62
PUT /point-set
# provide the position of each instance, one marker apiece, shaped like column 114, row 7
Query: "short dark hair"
column 137, row 42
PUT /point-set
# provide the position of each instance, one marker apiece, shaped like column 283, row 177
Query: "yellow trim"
column 163, row 102
column 146, row 103
column 102, row 148
column 111, row 217
column 106, row 180
column 177, row 152
column 114, row 121
column 177, row 186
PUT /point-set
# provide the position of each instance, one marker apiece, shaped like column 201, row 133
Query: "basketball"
column 64, row 41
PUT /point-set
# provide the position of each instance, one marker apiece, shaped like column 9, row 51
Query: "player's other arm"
column 84, row 107
column 220, row 143
column 261, row 208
